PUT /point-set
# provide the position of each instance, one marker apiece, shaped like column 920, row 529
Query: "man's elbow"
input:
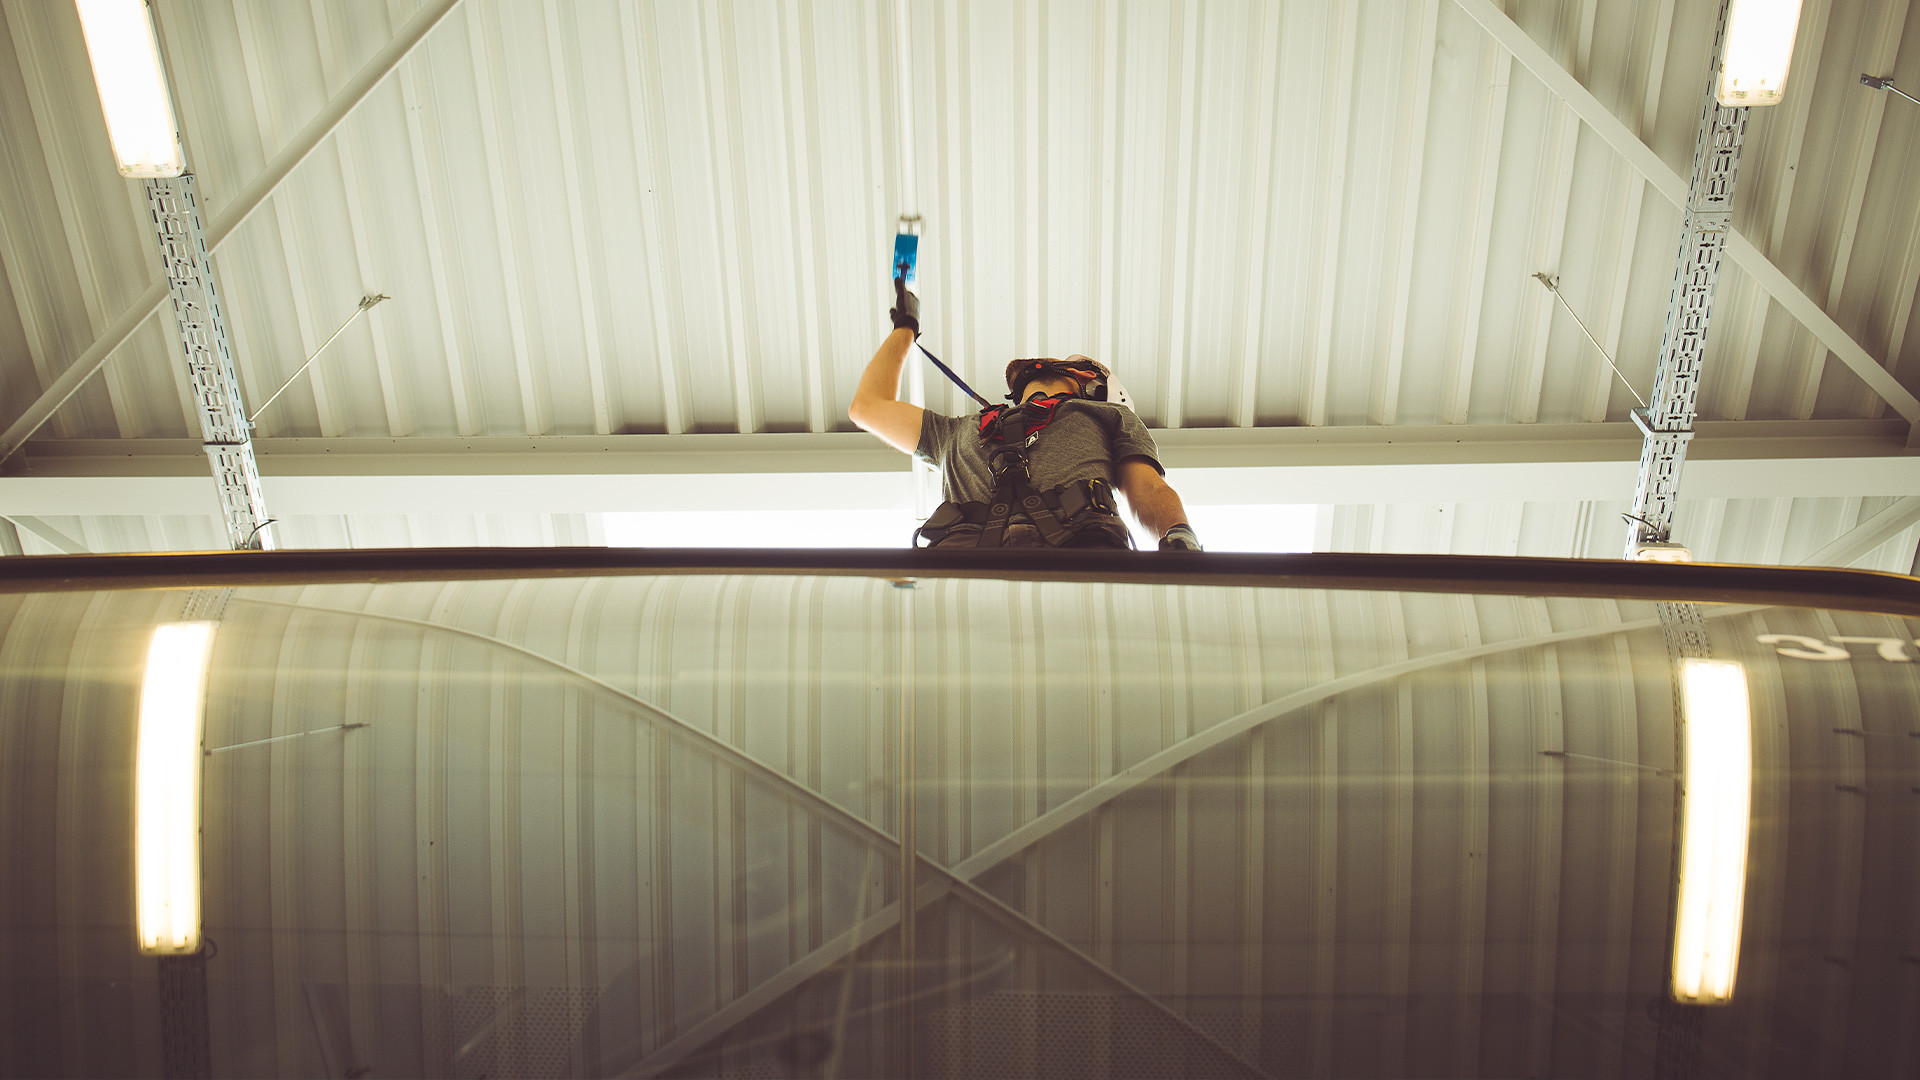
column 861, row 413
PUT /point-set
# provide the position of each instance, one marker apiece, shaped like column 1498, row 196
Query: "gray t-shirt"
column 1082, row 442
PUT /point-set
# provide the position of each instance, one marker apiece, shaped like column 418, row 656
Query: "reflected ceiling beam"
column 667, row 1055
column 1295, row 704
column 852, row 470
column 230, row 218
column 67, row 544
column 1079, row 806
column 1674, row 186
column 1848, row 547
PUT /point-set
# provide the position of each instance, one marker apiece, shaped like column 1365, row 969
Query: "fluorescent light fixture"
column 1713, row 838
column 1753, row 64
column 167, row 789
column 1653, row 551
column 133, row 86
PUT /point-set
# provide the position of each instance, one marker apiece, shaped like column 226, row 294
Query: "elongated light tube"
column 167, row 788
column 133, row 86
column 1714, row 824
column 1753, row 64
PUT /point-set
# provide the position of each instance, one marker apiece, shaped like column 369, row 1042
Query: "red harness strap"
column 1037, row 413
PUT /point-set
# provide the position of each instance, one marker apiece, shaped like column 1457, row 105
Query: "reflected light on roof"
column 167, row 798
column 1713, row 846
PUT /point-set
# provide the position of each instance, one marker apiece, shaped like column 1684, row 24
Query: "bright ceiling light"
column 1713, row 838
column 133, row 86
column 1753, row 66
column 167, row 791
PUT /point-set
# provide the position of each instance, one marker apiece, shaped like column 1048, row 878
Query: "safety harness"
column 1063, row 516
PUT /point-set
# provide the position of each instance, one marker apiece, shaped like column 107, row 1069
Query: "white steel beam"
column 1848, row 547
column 850, row 470
column 44, row 531
column 1674, row 186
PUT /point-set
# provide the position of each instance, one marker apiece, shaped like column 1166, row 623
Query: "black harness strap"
column 1013, row 491
column 957, row 380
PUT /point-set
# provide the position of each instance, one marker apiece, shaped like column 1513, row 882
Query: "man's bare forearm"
column 1157, row 507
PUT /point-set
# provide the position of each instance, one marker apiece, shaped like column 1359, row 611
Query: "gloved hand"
column 906, row 308
column 1180, row 538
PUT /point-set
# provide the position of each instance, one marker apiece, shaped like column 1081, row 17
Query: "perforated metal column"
column 225, row 433
column 185, row 1041
column 1668, row 419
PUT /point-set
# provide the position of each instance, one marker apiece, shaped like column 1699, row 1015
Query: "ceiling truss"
column 846, row 470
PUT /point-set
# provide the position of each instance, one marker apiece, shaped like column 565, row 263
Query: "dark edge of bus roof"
column 1855, row 590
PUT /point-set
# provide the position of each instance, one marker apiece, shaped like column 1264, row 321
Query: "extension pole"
column 903, row 113
column 917, row 393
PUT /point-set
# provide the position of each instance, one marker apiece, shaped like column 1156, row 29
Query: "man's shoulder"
column 1107, row 411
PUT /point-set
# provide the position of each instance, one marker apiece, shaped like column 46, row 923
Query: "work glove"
column 1180, row 538
column 906, row 308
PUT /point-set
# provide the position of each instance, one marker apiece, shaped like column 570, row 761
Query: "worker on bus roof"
column 1039, row 472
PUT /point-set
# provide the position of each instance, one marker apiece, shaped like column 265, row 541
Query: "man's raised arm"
column 876, row 403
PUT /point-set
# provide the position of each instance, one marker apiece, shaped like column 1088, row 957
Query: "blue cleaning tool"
column 906, row 252
column 906, row 262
